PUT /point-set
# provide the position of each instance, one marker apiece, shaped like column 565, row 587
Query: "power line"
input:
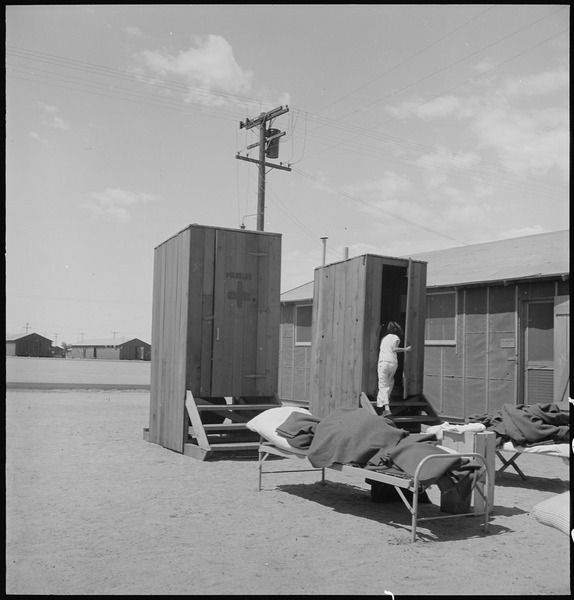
column 378, row 208
column 406, row 60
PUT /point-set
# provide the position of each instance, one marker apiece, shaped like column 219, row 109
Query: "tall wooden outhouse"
column 215, row 337
column 352, row 298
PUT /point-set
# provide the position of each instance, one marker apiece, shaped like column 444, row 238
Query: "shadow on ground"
column 352, row 500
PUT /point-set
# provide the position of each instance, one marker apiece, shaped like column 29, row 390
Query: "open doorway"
column 394, row 286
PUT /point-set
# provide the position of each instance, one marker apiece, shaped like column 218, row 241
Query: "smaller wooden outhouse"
column 351, row 299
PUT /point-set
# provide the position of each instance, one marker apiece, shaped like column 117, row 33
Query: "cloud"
column 541, row 83
column 114, row 203
column 51, row 117
column 523, row 120
column 437, row 165
column 210, row 65
column 59, row 123
column 513, row 233
column 534, row 140
column 39, row 139
column 133, row 31
column 384, row 188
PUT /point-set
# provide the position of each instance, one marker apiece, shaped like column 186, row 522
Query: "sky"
column 408, row 128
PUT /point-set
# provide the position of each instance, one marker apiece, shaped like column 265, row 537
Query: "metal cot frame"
column 411, row 484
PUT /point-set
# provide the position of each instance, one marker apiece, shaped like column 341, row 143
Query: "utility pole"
column 268, row 146
column 27, row 327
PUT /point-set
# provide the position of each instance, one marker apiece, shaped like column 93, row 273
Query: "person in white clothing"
column 387, row 365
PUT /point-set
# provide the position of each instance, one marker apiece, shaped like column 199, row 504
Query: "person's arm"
column 407, row 349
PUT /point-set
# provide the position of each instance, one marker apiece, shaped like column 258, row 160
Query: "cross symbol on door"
column 239, row 295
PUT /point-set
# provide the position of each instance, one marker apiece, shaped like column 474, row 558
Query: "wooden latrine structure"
column 215, row 338
column 351, row 299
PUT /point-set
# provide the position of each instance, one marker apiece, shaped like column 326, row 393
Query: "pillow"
column 555, row 512
column 266, row 423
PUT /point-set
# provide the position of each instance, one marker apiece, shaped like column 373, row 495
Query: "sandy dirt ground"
column 92, row 508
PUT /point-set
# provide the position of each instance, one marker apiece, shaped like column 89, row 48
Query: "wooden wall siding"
column 372, row 320
column 562, row 349
column 169, row 342
column 233, row 334
column 294, row 361
column 337, row 336
column 481, row 373
column 415, row 334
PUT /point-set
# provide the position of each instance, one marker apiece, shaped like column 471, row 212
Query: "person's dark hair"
column 395, row 328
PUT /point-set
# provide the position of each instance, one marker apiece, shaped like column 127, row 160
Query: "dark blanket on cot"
column 350, row 435
column 527, row 424
column 407, row 455
column 298, row 429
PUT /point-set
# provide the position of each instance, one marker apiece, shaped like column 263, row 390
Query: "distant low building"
column 28, row 344
column 58, row 352
column 135, row 349
column 111, row 349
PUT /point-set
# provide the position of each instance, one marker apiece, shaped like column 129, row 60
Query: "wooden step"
column 414, row 419
column 235, row 407
column 227, row 446
column 224, row 427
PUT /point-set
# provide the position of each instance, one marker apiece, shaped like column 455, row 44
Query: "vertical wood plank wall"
column 169, row 342
column 416, row 310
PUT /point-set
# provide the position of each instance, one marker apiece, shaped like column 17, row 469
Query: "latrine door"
column 538, row 345
column 561, row 348
column 245, row 352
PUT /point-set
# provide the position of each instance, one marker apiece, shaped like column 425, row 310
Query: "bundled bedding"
column 356, row 437
column 527, row 424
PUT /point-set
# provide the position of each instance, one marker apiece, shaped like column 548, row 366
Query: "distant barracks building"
column 28, row 344
column 111, row 349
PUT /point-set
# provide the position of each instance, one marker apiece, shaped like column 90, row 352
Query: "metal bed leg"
column 511, row 462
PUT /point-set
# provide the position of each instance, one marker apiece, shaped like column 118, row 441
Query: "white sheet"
column 561, row 450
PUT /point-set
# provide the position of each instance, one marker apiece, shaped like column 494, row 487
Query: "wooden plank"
column 366, row 403
column 371, row 323
column 163, row 383
column 181, row 418
column 233, row 407
column 170, row 326
column 238, row 304
column 274, row 317
column 269, row 308
column 259, row 356
column 226, row 447
column 195, row 311
column 416, row 310
column 223, row 427
column 321, row 334
column 207, row 312
column 485, row 445
column 221, row 373
column 196, row 452
column 155, row 366
column 196, row 423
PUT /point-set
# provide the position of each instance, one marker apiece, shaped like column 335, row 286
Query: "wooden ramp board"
column 229, row 434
